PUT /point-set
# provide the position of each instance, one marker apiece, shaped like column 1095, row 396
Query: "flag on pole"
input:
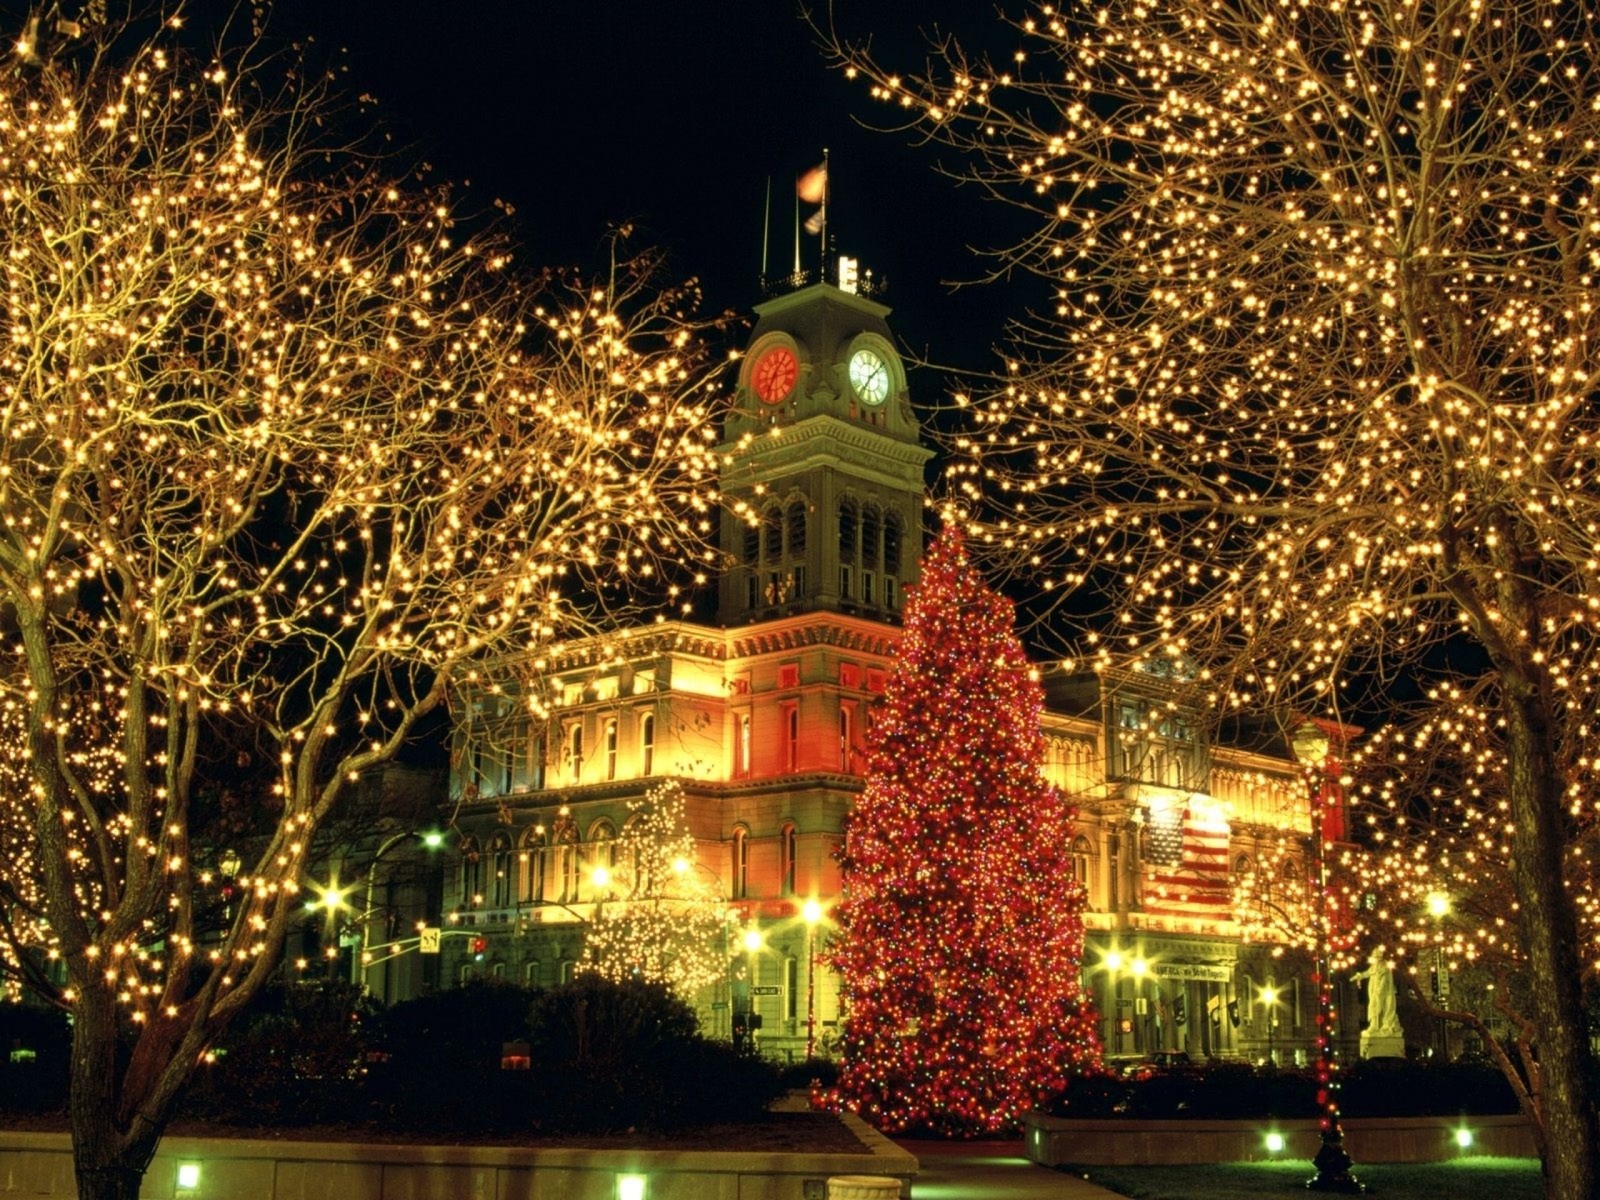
column 812, row 188
column 1188, row 862
column 813, row 185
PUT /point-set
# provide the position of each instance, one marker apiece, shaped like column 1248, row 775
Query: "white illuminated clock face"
column 869, row 375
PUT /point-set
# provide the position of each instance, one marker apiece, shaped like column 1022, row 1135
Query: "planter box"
column 1058, row 1141
column 40, row 1165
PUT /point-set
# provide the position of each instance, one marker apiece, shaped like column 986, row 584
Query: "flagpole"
column 827, row 184
column 797, row 264
column 766, row 229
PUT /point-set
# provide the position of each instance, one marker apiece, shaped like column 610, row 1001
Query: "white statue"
column 1383, row 1017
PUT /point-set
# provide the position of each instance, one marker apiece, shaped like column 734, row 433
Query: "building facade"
column 760, row 716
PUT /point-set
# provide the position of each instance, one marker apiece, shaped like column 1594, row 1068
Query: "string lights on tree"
column 1305, row 394
column 960, row 928
column 290, row 455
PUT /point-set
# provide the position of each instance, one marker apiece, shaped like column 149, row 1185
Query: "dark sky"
column 671, row 115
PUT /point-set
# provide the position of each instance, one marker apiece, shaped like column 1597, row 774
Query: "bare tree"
column 1308, row 392
column 284, row 455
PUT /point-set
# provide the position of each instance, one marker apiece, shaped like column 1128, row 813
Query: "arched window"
column 567, row 868
column 741, row 746
column 611, row 748
column 574, row 762
column 568, row 966
column 891, row 544
column 847, row 531
column 471, row 874
column 846, row 732
column 500, row 872
column 533, row 854
column 647, row 744
column 603, row 836
column 530, row 974
column 741, row 863
column 772, row 534
column 1243, row 866
column 795, row 529
column 786, row 857
column 1081, row 866
column 871, row 522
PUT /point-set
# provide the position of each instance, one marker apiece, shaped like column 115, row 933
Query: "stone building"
column 760, row 715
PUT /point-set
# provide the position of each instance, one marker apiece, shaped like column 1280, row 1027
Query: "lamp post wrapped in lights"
column 1311, row 744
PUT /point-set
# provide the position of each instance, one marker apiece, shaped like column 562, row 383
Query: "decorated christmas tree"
column 961, row 925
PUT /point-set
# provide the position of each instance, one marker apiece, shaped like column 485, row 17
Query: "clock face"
column 869, row 375
column 774, row 374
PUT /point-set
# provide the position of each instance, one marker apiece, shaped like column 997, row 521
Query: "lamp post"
column 812, row 913
column 1439, row 909
column 1269, row 1001
column 358, row 958
column 1311, row 744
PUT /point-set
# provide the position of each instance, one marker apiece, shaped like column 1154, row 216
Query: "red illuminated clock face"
column 774, row 374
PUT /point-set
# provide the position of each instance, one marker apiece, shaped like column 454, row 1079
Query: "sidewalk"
column 990, row 1171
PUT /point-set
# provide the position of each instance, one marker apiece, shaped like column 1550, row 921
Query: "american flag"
column 1187, row 864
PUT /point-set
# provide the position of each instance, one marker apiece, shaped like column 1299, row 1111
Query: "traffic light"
column 479, row 945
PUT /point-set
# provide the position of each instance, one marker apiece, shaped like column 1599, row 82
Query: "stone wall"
column 40, row 1165
column 1057, row 1141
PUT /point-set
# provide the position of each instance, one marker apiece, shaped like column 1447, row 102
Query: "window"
column 1113, row 870
column 741, row 746
column 772, row 535
column 497, row 970
column 567, row 968
column 786, row 861
column 471, row 874
column 530, row 973
column 567, row 870
column 611, row 748
column 536, row 752
column 790, row 716
column 789, row 675
column 1081, row 854
column 574, row 751
column 795, row 533
column 890, row 599
column 752, row 544
column 752, row 590
column 891, row 544
column 647, row 744
column 533, row 868
column 845, row 732
column 866, row 587
column 844, row 582
column 847, row 530
column 791, row 987
column 741, row 863
column 500, row 872
column 870, row 525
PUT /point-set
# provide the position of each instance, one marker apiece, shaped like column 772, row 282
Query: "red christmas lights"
column 960, row 924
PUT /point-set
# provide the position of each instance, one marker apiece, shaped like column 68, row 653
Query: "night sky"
column 671, row 116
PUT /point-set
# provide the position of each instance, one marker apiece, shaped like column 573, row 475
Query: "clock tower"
column 825, row 452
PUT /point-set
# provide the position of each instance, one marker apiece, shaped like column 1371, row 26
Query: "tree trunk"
column 109, row 1163
column 1549, row 933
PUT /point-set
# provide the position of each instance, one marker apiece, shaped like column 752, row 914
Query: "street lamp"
column 1311, row 744
column 811, row 913
column 1269, row 1001
column 432, row 839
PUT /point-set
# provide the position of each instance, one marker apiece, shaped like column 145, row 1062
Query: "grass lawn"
column 1502, row 1178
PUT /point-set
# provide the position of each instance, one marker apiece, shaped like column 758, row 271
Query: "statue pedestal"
column 1383, row 1045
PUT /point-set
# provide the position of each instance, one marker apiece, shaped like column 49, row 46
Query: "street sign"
column 765, row 989
column 430, row 939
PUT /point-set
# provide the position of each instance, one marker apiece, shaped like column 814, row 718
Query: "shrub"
column 34, row 1048
column 629, row 1055
column 438, row 1060
column 297, row 1056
